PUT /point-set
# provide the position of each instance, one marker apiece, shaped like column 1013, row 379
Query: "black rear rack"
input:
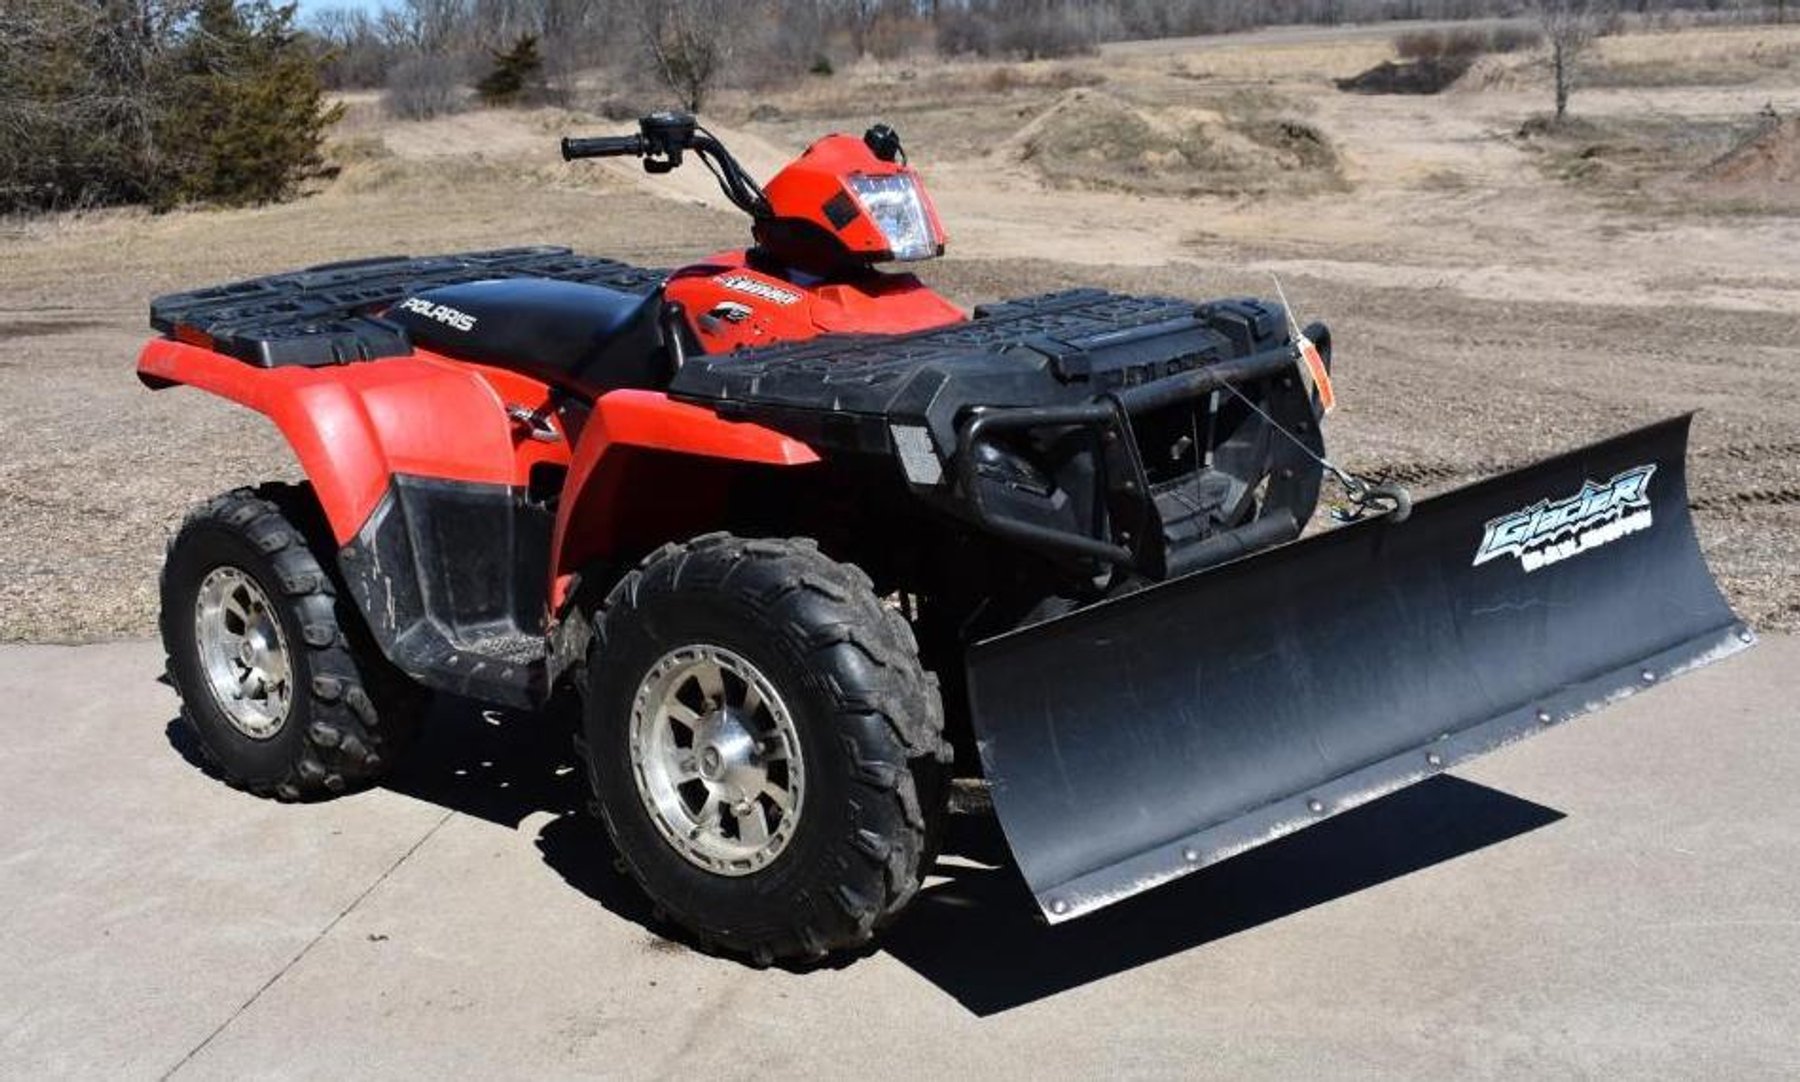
column 324, row 315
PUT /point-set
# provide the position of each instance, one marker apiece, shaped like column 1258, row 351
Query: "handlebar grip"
column 602, row 146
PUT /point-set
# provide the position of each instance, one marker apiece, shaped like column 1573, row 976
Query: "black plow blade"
column 1146, row 737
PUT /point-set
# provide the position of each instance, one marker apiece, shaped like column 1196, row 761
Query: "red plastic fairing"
column 648, row 469
column 729, row 305
column 352, row 426
column 813, row 188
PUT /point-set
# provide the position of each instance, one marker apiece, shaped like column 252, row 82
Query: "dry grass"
column 1734, row 56
column 925, row 84
column 946, row 110
column 1263, row 65
column 1725, row 57
column 1672, row 164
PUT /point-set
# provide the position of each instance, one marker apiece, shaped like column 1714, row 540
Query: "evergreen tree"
column 517, row 75
column 159, row 101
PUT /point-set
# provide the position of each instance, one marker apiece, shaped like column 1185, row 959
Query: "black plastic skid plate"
column 322, row 315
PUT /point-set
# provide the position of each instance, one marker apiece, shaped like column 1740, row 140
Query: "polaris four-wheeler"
column 810, row 544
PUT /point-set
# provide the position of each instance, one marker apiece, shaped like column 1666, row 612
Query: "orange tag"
column 1313, row 371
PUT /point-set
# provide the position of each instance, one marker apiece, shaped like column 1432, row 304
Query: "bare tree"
column 425, row 26
column 689, row 42
column 1570, row 25
column 354, row 51
column 79, row 118
column 859, row 17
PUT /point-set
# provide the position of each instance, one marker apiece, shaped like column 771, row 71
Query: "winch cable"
column 1364, row 497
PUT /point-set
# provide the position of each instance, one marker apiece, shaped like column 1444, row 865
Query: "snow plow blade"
column 1151, row 735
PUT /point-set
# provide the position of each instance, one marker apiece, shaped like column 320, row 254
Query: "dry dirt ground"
column 1494, row 296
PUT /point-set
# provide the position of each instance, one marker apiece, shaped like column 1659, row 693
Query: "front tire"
column 767, row 751
column 278, row 682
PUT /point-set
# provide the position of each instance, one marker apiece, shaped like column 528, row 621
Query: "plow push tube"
column 1151, row 735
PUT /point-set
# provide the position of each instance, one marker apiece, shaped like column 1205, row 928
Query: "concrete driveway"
column 1620, row 897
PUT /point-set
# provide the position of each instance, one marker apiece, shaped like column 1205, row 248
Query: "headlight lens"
column 898, row 211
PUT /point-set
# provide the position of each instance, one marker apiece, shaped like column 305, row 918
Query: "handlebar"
column 602, row 146
column 662, row 141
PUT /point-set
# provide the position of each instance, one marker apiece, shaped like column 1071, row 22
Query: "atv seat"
column 583, row 338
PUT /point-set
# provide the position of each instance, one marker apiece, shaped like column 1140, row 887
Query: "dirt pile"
column 1242, row 145
column 1770, row 158
column 1429, row 76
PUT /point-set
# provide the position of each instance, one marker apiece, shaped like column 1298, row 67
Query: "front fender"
column 649, row 468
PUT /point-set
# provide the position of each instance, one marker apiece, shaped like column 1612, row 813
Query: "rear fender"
column 352, row 427
column 648, row 469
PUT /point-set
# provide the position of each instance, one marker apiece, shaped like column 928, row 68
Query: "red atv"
column 809, row 542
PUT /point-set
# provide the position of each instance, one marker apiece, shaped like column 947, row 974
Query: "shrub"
column 614, row 107
column 1001, row 80
column 1053, row 31
column 1465, row 43
column 965, row 33
column 1514, row 39
column 1035, row 30
column 423, row 87
column 1440, row 44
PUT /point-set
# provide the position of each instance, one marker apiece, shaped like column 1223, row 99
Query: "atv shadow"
column 506, row 766
column 974, row 933
column 498, row 765
column 490, row 764
column 979, row 938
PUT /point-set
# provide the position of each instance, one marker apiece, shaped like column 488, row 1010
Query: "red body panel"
column 715, row 293
column 646, row 465
column 353, row 426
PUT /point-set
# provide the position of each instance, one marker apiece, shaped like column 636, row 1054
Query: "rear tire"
column 826, row 841
column 279, row 684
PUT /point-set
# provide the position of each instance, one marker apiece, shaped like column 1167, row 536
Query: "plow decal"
column 1549, row 531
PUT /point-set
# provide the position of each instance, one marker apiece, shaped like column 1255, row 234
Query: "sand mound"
column 1770, row 157
column 1240, row 146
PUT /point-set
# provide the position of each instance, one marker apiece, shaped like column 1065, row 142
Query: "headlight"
column 898, row 211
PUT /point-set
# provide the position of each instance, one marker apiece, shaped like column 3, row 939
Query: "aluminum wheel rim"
column 716, row 758
column 243, row 652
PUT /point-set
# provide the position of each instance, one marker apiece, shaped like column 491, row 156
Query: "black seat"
column 583, row 338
